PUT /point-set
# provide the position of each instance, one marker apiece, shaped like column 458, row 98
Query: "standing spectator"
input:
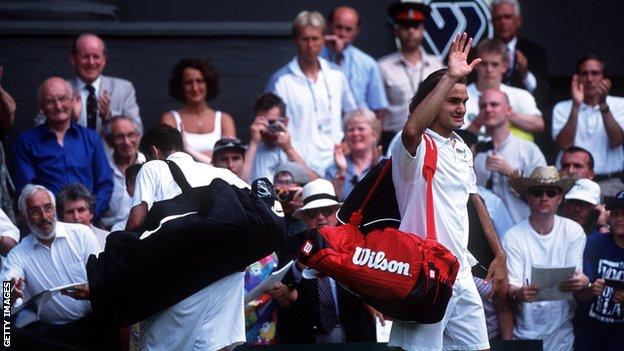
column 229, row 153
column 546, row 240
column 362, row 134
column 319, row 311
column 582, row 205
column 7, row 114
column 124, row 140
column 577, row 161
column 436, row 111
column 593, row 120
column 75, row 204
column 599, row 318
column 361, row 69
column 194, row 82
column 316, row 94
column 270, row 143
column 527, row 68
column 211, row 318
column 526, row 118
column 509, row 155
column 99, row 98
column 62, row 152
column 404, row 70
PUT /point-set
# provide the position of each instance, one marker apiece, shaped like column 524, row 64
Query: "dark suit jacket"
column 299, row 322
column 537, row 64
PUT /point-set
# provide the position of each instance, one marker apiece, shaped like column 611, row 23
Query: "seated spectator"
column 124, row 140
column 593, row 120
column 54, row 254
column 582, row 205
column 61, row 152
column 75, row 204
column 229, row 153
column 9, row 235
column 194, row 82
column 509, row 154
column 577, row 161
column 289, row 179
column 270, row 143
column 315, row 93
column 546, row 240
column 525, row 117
column 362, row 129
column 98, row 97
column 131, row 174
column 599, row 317
column 7, row 115
column 321, row 311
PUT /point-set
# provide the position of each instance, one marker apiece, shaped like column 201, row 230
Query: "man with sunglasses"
column 322, row 312
column 545, row 240
column 582, row 205
column 404, row 70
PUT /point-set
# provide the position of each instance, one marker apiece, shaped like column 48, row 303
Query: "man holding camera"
column 269, row 144
column 507, row 154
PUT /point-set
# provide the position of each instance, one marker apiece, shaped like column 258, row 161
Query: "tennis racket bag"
column 185, row 244
column 400, row 274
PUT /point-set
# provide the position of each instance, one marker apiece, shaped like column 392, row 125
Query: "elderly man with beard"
column 53, row 255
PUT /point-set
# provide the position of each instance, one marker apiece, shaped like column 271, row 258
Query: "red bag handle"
column 429, row 168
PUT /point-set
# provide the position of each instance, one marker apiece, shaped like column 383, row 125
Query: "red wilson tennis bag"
column 399, row 274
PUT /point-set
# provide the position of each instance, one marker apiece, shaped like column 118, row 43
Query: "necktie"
column 91, row 107
column 339, row 58
column 327, row 306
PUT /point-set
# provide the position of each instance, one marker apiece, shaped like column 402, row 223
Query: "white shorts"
column 210, row 319
column 462, row 328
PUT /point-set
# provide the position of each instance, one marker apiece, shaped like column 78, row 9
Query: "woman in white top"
column 194, row 82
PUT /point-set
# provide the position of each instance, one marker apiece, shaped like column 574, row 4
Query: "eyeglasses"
column 313, row 212
column 539, row 192
column 52, row 101
column 121, row 137
column 409, row 24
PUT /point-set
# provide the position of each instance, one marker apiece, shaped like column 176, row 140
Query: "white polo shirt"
column 525, row 248
column 453, row 182
column 213, row 317
column 591, row 133
column 120, row 202
column 315, row 110
column 42, row 268
column 520, row 100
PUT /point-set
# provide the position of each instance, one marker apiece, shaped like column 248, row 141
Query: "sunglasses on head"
column 539, row 192
column 313, row 212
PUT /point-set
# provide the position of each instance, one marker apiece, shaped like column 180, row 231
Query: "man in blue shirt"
column 61, row 152
column 361, row 69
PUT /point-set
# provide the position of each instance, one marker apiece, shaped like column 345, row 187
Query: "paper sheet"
column 548, row 280
column 383, row 331
column 268, row 283
column 32, row 307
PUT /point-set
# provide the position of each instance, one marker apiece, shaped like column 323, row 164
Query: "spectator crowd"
column 86, row 168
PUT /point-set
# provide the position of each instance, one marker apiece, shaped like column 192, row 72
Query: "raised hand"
column 104, row 107
column 577, row 90
column 340, row 158
column 458, row 57
column 522, row 64
column 604, row 86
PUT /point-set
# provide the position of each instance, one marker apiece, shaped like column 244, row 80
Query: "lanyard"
column 311, row 89
column 421, row 72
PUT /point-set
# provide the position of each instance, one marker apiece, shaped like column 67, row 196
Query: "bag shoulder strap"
column 429, row 169
column 178, row 176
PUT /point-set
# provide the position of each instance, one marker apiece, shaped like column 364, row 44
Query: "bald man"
column 60, row 151
column 361, row 69
column 101, row 97
column 509, row 154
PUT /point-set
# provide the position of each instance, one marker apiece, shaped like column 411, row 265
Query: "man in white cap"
column 582, row 205
column 547, row 240
column 323, row 312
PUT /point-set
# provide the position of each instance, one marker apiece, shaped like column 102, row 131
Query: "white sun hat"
column 317, row 194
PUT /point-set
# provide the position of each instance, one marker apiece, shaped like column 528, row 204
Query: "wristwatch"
column 604, row 108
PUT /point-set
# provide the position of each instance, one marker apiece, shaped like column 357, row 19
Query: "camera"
column 273, row 127
column 286, row 195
